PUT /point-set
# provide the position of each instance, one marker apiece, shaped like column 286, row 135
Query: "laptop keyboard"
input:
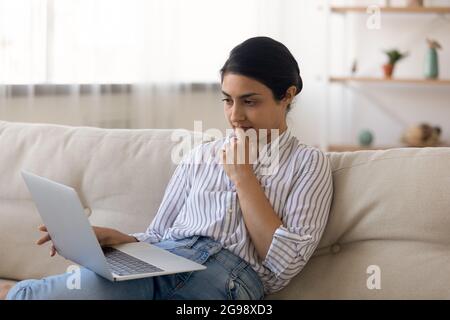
column 123, row 264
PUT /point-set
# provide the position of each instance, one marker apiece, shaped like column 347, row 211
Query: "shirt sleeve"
column 304, row 218
column 174, row 199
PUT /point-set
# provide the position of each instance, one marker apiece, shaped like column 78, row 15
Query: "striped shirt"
column 201, row 200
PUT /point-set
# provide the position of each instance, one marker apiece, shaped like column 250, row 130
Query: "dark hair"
column 267, row 61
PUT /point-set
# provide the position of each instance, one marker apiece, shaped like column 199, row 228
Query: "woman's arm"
column 260, row 218
column 304, row 214
column 285, row 244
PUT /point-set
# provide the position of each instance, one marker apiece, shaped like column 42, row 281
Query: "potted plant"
column 393, row 57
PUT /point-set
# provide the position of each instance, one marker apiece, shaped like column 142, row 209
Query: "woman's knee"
column 82, row 284
column 21, row 291
column 52, row 287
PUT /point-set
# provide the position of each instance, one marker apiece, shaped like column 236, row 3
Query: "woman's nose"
column 237, row 114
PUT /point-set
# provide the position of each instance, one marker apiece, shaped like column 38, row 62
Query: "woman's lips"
column 243, row 128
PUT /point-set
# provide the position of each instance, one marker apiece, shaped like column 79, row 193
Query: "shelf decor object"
column 354, row 147
column 422, row 135
column 431, row 60
column 365, row 138
column 417, row 81
column 414, row 3
column 386, row 9
column 394, row 56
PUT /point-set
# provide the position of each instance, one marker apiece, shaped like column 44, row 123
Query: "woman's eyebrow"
column 246, row 95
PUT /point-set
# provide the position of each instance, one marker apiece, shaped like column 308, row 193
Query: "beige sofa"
column 388, row 235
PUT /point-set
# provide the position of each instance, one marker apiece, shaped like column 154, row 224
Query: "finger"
column 246, row 149
column 239, row 150
column 42, row 228
column 252, row 151
column 230, row 141
column 223, row 156
column 44, row 239
column 230, row 152
column 240, row 134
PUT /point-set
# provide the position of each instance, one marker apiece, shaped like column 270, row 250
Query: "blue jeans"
column 227, row 277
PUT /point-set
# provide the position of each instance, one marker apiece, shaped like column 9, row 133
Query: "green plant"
column 394, row 56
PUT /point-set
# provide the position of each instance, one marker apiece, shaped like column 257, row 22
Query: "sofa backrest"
column 120, row 176
column 388, row 233
column 390, row 214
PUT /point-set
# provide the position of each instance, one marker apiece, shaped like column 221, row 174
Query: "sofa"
column 387, row 236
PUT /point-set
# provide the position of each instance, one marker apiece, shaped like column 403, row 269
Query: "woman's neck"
column 281, row 130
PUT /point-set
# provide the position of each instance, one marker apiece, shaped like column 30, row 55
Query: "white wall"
column 301, row 26
column 304, row 26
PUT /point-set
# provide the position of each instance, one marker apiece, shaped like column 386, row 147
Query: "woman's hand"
column 105, row 236
column 238, row 157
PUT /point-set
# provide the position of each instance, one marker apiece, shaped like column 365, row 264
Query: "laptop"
column 72, row 235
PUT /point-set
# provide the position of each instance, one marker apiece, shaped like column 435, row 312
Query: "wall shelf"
column 355, row 147
column 353, row 79
column 420, row 10
column 351, row 147
column 392, row 80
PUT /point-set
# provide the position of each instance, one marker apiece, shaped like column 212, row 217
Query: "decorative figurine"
column 365, row 138
column 422, row 135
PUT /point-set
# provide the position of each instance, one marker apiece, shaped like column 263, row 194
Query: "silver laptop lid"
column 69, row 228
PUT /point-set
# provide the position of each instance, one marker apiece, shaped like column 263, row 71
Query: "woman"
column 253, row 230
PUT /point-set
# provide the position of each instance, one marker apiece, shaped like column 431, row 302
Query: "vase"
column 431, row 64
column 388, row 69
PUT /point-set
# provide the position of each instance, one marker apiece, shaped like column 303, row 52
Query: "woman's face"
column 250, row 104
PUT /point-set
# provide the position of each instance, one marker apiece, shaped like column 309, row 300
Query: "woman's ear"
column 290, row 94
